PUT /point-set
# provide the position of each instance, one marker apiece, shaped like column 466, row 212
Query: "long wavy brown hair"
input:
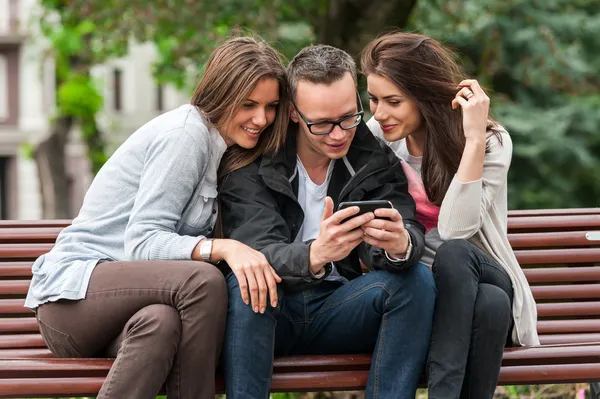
column 232, row 72
column 426, row 72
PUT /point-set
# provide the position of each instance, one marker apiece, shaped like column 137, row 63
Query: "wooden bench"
column 558, row 249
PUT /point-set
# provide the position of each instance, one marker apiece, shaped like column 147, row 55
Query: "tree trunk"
column 351, row 24
column 50, row 158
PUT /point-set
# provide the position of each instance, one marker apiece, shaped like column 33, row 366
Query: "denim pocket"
column 61, row 344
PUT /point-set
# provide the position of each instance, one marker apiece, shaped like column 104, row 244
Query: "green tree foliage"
column 540, row 59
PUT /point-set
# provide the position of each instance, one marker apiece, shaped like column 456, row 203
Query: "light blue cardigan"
column 153, row 200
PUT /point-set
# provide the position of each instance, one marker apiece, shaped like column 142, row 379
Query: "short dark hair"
column 319, row 64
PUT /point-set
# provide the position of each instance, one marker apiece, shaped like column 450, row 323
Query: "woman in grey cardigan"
column 132, row 277
column 456, row 160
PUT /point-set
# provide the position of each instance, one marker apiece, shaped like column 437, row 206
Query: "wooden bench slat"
column 563, row 274
column 30, row 353
column 579, row 291
column 318, row 381
column 592, row 308
column 575, row 309
column 29, row 235
column 18, row 324
column 553, row 212
column 46, row 387
column 542, row 223
column 557, row 374
column 23, row 251
column 16, row 341
column 517, row 240
column 552, row 239
column 15, row 269
column 35, row 223
column 554, row 256
column 551, row 355
column 564, row 353
column 14, row 287
column 554, row 339
column 29, row 325
column 568, row 326
column 13, row 306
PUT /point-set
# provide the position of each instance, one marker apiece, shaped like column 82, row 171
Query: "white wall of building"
column 37, row 105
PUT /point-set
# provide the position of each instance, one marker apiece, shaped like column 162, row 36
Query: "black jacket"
column 260, row 208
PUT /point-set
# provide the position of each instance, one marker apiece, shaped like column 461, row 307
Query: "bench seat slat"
column 552, row 212
column 6, row 224
column 29, row 325
column 14, row 287
column 18, row 325
column 555, row 256
column 580, row 291
column 316, row 381
column 556, row 223
column 552, row 239
column 21, row 341
column 583, row 291
column 564, row 309
column 564, row 353
column 29, row 353
column 556, row 374
column 568, row 326
column 30, row 235
column 23, row 251
column 592, row 308
column 554, row 339
column 15, row 269
column 46, row 387
column 563, row 274
column 13, row 306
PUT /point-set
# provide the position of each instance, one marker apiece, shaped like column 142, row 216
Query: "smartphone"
column 365, row 206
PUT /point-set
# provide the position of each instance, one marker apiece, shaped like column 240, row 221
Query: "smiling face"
column 254, row 116
column 397, row 114
column 325, row 102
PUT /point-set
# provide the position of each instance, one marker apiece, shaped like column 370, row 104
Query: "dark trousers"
column 471, row 322
column 163, row 321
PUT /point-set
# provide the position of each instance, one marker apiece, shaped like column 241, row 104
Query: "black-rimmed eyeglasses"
column 326, row 127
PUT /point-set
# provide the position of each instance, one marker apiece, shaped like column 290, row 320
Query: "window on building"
column 3, row 87
column 3, row 189
column 117, row 89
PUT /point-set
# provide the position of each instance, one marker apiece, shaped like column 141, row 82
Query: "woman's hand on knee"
column 256, row 278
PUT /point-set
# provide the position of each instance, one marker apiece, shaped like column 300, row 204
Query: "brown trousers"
column 163, row 321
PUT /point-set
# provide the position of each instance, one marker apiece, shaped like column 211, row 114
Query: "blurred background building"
column 27, row 104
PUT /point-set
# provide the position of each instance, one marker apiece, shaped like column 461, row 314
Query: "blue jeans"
column 387, row 314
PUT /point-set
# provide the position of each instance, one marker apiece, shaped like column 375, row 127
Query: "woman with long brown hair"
column 456, row 159
column 133, row 276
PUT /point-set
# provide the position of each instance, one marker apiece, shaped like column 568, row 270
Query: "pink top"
column 427, row 213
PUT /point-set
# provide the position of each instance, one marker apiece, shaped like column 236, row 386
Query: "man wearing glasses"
column 284, row 206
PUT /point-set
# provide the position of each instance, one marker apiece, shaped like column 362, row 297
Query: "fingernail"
column 262, row 311
column 256, row 309
column 274, row 304
column 246, row 302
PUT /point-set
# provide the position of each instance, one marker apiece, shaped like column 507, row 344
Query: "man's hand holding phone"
column 387, row 231
column 339, row 234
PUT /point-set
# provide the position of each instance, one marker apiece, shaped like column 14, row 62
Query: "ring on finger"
column 469, row 95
